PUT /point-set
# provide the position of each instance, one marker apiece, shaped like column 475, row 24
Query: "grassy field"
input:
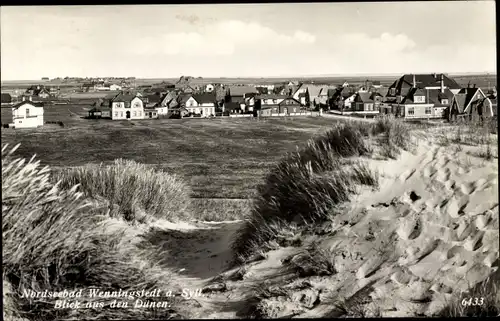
column 219, row 158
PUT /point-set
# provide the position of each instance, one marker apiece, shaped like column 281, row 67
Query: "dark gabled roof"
column 6, row 98
column 154, row 98
column 27, row 102
column 123, row 98
column 403, row 84
column 331, row 92
column 364, row 97
column 205, row 98
column 183, row 98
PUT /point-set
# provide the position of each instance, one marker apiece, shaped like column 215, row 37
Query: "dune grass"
column 306, row 185
column 136, row 189
column 484, row 299
column 54, row 239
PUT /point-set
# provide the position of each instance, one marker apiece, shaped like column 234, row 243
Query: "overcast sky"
column 247, row 40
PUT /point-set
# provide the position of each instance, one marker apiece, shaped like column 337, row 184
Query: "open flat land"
column 219, row 158
column 482, row 80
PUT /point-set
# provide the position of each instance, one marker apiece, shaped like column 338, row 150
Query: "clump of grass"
column 488, row 305
column 304, row 186
column 397, row 131
column 134, row 187
column 54, row 240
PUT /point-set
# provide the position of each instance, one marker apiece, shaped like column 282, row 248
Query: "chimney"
column 414, row 82
column 474, row 86
column 442, row 83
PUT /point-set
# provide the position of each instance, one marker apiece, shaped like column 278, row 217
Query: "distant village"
column 411, row 97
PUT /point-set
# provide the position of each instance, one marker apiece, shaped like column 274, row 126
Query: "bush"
column 305, row 186
column 55, row 240
column 134, row 188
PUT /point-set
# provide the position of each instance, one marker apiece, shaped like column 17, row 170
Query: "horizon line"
column 273, row 77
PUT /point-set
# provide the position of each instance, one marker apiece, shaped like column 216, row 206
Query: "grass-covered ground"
column 219, row 158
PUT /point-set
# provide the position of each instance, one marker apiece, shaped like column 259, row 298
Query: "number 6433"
column 472, row 301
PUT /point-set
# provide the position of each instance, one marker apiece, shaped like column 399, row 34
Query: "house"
column 39, row 91
column 324, row 96
column 271, row 99
column 472, row 103
column 287, row 106
column 100, row 112
column 150, row 113
column 364, row 103
column 152, row 100
column 185, row 88
column 312, row 90
column 237, row 93
column 126, row 106
column 115, row 87
column 262, row 90
column 403, row 85
column 27, row 114
column 169, row 100
column 6, row 99
column 205, row 103
column 424, row 96
column 229, row 108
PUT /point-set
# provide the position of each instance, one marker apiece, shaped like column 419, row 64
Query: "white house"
column 27, row 114
column 115, row 87
column 202, row 104
column 127, row 107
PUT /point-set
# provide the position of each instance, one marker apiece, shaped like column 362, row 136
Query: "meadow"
column 219, row 158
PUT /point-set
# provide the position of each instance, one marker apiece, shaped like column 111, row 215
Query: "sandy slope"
column 429, row 232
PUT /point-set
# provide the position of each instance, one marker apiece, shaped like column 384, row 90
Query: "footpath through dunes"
column 411, row 248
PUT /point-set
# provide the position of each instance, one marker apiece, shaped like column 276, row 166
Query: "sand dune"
column 429, row 233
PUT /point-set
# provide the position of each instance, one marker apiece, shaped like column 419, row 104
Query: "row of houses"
column 412, row 96
column 418, row 96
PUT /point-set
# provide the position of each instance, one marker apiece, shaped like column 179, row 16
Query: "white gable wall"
column 27, row 116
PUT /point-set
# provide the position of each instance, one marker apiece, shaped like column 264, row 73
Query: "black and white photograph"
column 249, row 160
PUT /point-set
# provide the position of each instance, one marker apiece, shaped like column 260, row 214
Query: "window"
column 428, row 110
column 116, row 114
column 135, row 113
column 411, row 111
column 478, row 96
column 121, row 114
column 419, row 99
column 27, row 112
column 445, row 101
